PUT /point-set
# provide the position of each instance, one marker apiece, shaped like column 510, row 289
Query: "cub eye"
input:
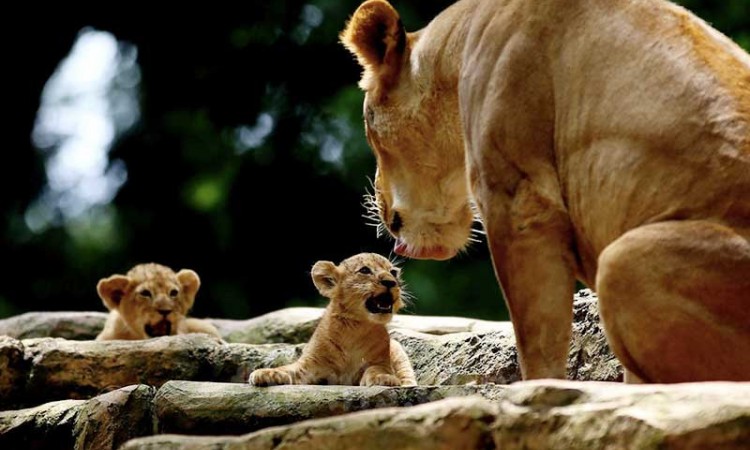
column 145, row 293
column 394, row 272
column 173, row 293
column 365, row 270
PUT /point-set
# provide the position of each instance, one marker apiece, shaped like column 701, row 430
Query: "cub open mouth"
column 161, row 328
column 380, row 304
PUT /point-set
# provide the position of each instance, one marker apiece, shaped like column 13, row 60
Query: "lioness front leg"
column 531, row 253
column 674, row 299
column 379, row 375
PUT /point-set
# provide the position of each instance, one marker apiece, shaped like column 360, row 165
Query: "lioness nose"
column 388, row 283
column 164, row 312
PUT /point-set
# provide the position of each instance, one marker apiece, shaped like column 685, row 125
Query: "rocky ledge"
column 530, row 415
column 59, row 389
column 45, row 369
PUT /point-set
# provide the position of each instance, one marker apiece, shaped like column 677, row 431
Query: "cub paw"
column 382, row 379
column 269, row 377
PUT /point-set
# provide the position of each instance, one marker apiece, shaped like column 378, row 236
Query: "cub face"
column 366, row 286
column 412, row 125
column 151, row 298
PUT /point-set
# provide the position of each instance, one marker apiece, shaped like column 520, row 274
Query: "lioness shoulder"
column 351, row 344
column 150, row 300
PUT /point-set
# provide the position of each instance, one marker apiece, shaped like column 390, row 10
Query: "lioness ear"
column 376, row 36
column 190, row 283
column 111, row 290
column 325, row 277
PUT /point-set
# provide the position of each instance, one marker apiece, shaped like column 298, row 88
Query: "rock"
column 590, row 358
column 104, row 422
column 462, row 358
column 61, row 368
column 109, row 420
column 527, row 415
column 67, row 325
column 451, row 424
column 441, row 325
column 289, row 325
column 51, row 369
column 224, row 408
column 490, row 355
column 565, row 414
column 48, row 426
column 13, row 371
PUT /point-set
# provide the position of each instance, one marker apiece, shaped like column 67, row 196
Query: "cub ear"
column 111, row 290
column 325, row 276
column 376, row 36
column 190, row 282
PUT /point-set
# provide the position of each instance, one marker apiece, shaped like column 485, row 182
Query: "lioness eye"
column 173, row 293
column 145, row 293
column 369, row 115
column 365, row 270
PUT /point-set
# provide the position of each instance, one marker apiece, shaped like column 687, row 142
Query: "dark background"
column 245, row 158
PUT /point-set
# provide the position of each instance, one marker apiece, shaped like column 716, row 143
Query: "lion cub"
column 351, row 345
column 150, row 301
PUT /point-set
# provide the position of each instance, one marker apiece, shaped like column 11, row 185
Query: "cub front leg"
column 273, row 377
column 402, row 365
column 379, row 375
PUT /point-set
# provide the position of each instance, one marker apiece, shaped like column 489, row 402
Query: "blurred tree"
column 247, row 161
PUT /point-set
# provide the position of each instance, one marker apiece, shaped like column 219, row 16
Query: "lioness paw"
column 382, row 379
column 269, row 377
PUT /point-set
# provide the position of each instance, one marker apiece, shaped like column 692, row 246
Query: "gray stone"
column 104, row 422
column 48, row 426
column 461, row 358
column 594, row 415
column 225, row 408
column 590, row 358
column 63, row 369
column 546, row 414
column 13, row 372
column 67, row 325
column 288, row 325
column 107, row 421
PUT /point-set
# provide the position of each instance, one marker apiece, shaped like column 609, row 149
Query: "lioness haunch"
column 351, row 345
column 607, row 141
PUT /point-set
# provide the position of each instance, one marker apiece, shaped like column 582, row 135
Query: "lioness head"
column 365, row 286
column 151, row 298
column 411, row 122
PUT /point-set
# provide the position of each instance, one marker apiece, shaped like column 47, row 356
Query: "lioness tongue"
column 399, row 247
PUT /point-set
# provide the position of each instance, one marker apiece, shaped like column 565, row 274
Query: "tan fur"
column 351, row 345
column 151, row 300
column 606, row 141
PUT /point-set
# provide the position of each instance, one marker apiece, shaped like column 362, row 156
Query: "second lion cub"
column 351, row 345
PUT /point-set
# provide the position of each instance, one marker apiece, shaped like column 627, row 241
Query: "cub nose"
column 164, row 312
column 388, row 283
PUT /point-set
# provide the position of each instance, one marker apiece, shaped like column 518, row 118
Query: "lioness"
column 150, row 301
column 607, row 141
column 351, row 345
